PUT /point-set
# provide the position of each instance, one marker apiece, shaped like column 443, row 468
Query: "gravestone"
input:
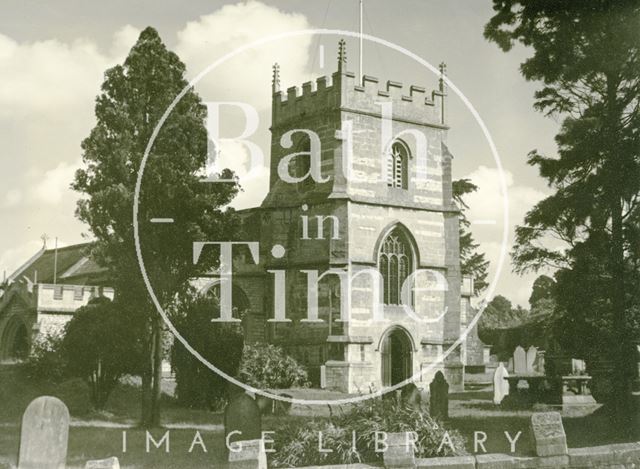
column 44, row 434
column 500, row 384
column 410, row 396
column 532, row 354
column 519, row 361
column 400, row 453
column 548, row 434
column 109, row 463
column 243, row 414
column 439, row 397
column 282, row 407
column 251, row 456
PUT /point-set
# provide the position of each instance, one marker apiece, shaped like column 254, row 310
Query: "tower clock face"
column 344, row 249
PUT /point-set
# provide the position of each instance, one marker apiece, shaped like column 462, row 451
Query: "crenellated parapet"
column 342, row 92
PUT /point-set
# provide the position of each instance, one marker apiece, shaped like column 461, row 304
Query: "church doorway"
column 397, row 362
column 15, row 341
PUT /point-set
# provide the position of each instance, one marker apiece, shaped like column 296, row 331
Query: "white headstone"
column 532, row 353
column 519, row 361
column 44, row 434
column 250, row 454
column 500, row 384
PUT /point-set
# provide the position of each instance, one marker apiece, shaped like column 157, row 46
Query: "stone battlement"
column 343, row 91
column 68, row 298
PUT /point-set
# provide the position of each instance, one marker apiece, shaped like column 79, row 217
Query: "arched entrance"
column 15, row 340
column 397, row 363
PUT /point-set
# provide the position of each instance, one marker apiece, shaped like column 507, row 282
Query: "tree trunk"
column 145, row 417
column 622, row 348
column 157, row 372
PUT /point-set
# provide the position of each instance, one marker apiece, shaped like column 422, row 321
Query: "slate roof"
column 74, row 266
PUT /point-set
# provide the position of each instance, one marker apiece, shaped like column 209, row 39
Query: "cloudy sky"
column 53, row 56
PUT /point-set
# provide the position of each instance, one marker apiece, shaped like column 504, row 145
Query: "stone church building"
column 394, row 215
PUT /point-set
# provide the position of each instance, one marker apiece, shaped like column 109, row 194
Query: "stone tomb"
column 532, row 354
column 44, row 434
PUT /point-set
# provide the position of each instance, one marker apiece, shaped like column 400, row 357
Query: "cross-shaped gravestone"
column 532, row 354
column 439, row 396
column 242, row 415
column 500, row 384
column 519, row 361
column 44, row 434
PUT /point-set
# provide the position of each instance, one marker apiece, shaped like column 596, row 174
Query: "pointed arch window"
column 397, row 165
column 395, row 263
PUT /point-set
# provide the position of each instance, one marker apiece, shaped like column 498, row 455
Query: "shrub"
column 297, row 445
column 46, row 362
column 220, row 343
column 99, row 346
column 267, row 366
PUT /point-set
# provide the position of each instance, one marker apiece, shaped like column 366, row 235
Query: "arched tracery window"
column 395, row 263
column 397, row 165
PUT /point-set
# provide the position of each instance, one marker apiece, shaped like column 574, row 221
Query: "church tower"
column 380, row 200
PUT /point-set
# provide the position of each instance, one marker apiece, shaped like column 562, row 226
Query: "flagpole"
column 361, row 48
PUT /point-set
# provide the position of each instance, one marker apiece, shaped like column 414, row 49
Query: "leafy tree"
column 220, row 343
column 134, row 97
column 472, row 262
column 543, row 289
column 587, row 57
column 100, row 347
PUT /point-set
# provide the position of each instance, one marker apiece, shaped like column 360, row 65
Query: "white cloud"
column 247, row 77
column 55, row 184
column 486, row 205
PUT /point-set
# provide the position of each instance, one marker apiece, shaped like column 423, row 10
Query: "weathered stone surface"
column 532, row 353
column 399, row 454
column 250, row 456
column 44, row 434
column 456, row 462
column 519, row 361
column 495, row 461
column 548, row 434
column 243, row 415
column 500, row 384
column 109, row 463
column 439, row 397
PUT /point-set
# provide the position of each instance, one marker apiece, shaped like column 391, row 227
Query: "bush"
column 100, row 346
column 266, row 366
column 297, row 445
column 46, row 362
column 220, row 343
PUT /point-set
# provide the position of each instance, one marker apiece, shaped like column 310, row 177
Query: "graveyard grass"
column 99, row 435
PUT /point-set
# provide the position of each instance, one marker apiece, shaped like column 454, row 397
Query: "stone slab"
column 109, row 463
column 548, row 434
column 457, row 462
column 44, row 434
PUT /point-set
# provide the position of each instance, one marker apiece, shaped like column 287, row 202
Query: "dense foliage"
column 45, row 362
column 134, row 97
column 266, row 366
column 100, row 347
column 472, row 262
column 586, row 58
column 221, row 343
column 297, row 444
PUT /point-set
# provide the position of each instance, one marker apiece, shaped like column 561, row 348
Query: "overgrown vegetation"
column 267, row 366
column 297, row 445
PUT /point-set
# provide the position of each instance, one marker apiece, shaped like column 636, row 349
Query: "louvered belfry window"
column 395, row 265
column 397, row 162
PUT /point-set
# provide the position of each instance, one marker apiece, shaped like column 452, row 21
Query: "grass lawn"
column 99, row 435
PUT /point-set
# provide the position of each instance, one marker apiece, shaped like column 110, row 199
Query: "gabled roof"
column 69, row 262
